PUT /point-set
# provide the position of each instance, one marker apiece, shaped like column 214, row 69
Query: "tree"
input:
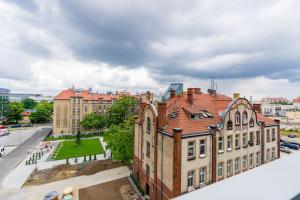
column 121, row 110
column 78, row 138
column 42, row 114
column 120, row 140
column 14, row 113
column 93, row 121
column 29, row 103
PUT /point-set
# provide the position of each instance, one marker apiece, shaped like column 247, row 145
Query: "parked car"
column 4, row 132
column 27, row 125
column 295, row 143
column 2, row 151
column 285, row 149
column 291, row 146
column 281, row 140
column 16, row 126
column 292, row 135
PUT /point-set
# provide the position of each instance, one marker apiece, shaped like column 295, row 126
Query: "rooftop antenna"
column 213, row 85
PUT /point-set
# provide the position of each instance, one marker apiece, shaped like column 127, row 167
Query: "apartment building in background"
column 195, row 139
column 4, row 100
column 71, row 105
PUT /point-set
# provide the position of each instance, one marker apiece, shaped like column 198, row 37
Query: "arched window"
column 245, row 118
column 229, row 125
column 237, row 118
column 251, row 122
column 148, row 124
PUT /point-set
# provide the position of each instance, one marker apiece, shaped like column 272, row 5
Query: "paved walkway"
column 38, row 192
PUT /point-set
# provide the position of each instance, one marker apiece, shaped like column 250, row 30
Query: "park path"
column 38, row 192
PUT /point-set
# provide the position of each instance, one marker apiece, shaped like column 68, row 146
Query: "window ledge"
column 191, row 158
column 229, row 149
column 202, row 155
column 220, row 151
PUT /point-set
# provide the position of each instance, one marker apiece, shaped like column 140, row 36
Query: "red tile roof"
column 211, row 103
column 85, row 94
column 179, row 110
column 267, row 120
column 297, row 100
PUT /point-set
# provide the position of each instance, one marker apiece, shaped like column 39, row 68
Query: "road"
column 11, row 160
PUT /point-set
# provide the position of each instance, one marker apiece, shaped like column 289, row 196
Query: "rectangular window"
column 237, row 165
column 251, row 160
column 237, row 141
column 147, row 170
column 202, row 175
column 190, row 178
column 245, row 160
column 257, row 137
column 273, row 134
column 273, row 153
column 202, row 148
column 251, row 142
column 268, row 135
column 268, row 155
column 191, row 150
column 257, row 158
column 245, row 140
column 229, row 142
column 220, row 144
column 220, row 169
column 229, row 168
column 148, row 150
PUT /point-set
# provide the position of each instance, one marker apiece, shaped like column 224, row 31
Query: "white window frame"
column 220, row 169
column 221, row 143
column 202, row 175
column 237, row 167
column 229, row 167
column 191, row 147
column 202, row 145
column 237, row 139
column 190, row 178
column 258, row 158
column 229, row 143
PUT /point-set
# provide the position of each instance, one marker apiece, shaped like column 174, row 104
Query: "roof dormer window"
column 195, row 116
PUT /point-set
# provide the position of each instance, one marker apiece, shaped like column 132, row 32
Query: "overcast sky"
column 251, row 47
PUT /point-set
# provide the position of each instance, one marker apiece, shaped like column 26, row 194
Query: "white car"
column 285, row 149
column 2, row 151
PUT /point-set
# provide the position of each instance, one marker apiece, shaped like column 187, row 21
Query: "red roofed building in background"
column 194, row 139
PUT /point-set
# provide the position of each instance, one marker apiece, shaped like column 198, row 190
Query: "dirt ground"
column 119, row 189
column 68, row 171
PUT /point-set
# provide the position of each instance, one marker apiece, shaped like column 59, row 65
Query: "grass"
column 287, row 132
column 70, row 149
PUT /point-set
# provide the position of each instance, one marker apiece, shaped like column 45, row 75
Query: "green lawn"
column 70, row 149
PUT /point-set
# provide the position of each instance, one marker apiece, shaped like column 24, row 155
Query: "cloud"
column 48, row 42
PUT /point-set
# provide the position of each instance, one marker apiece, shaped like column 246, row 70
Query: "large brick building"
column 71, row 105
column 195, row 139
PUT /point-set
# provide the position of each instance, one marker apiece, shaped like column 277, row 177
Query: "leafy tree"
column 93, row 121
column 78, row 138
column 121, row 110
column 42, row 114
column 14, row 113
column 120, row 140
column 29, row 103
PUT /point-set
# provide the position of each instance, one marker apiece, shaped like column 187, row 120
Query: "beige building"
column 195, row 139
column 71, row 105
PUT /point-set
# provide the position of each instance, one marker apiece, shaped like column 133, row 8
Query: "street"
column 10, row 161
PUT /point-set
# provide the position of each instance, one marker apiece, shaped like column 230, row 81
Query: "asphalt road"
column 11, row 160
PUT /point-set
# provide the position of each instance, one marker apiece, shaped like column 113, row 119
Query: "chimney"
column 148, row 96
column 172, row 93
column 257, row 107
column 197, row 90
column 162, row 114
column 142, row 106
column 190, row 92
